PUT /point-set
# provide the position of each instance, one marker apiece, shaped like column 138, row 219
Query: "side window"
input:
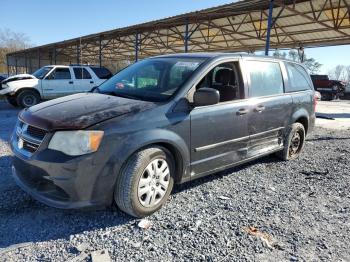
column 265, row 78
column 298, row 78
column 102, row 72
column 225, row 79
column 81, row 73
column 60, row 73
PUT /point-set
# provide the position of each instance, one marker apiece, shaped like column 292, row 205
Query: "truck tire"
column 293, row 143
column 28, row 98
column 145, row 182
column 12, row 100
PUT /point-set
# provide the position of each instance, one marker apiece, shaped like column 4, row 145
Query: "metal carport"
column 244, row 26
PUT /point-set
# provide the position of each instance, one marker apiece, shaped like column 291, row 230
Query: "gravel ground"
column 267, row 210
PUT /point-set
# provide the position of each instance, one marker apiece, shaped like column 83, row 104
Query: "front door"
column 58, row 83
column 270, row 106
column 219, row 133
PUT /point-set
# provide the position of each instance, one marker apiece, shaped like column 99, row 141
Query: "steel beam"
column 269, row 25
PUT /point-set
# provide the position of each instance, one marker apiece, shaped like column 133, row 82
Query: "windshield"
column 41, row 73
column 155, row 79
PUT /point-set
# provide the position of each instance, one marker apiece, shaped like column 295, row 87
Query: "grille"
column 29, row 137
column 30, row 147
column 36, row 132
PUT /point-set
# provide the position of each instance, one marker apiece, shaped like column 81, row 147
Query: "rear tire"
column 142, row 187
column 293, row 143
column 12, row 100
column 28, row 98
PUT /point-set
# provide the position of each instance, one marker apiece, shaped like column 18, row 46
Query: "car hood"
column 80, row 111
column 18, row 77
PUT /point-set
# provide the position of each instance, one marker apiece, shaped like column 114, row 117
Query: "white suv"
column 50, row 82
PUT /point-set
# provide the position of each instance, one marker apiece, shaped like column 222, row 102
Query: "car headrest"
column 224, row 76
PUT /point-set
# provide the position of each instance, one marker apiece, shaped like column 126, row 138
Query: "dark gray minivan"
column 164, row 120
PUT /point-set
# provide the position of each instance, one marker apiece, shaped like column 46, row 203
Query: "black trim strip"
column 211, row 146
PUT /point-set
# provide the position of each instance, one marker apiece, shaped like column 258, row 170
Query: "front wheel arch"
column 22, row 90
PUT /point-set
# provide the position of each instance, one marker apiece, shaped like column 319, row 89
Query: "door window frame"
column 242, row 81
column 247, row 75
column 59, row 67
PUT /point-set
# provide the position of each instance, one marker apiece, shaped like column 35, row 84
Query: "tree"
column 310, row 63
column 11, row 41
column 340, row 72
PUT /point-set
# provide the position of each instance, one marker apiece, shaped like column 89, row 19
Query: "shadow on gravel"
column 206, row 179
column 23, row 219
column 333, row 115
column 327, row 138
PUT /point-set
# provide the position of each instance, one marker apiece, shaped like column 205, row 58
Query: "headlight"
column 76, row 143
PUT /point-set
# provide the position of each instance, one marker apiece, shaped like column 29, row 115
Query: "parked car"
column 48, row 82
column 2, row 78
column 163, row 120
column 329, row 89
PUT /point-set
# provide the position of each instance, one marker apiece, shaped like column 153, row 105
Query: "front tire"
column 12, row 100
column 27, row 98
column 145, row 182
column 294, row 142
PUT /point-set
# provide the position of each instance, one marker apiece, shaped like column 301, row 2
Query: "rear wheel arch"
column 304, row 121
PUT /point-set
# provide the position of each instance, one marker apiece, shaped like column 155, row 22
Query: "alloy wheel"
column 153, row 183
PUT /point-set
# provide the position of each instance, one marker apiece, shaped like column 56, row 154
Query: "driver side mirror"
column 206, row 96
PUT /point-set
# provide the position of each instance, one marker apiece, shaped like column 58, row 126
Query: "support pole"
column 26, row 62
column 78, row 53
column 269, row 25
column 186, row 35
column 100, row 51
column 301, row 54
column 54, row 55
column 136, row 47
column 8, row 66
column 39, row 62
column 16, row 66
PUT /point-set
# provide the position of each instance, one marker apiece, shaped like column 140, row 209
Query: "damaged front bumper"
column 63, row 181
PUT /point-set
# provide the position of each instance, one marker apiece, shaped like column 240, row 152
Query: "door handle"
column 70, row 82
column 91, row 82
column 259, row 108
column 242, row 111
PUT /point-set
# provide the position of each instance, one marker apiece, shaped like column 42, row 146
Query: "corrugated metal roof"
column 238, row 26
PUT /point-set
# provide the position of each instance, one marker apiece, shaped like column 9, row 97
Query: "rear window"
column 265, row 78
column 81, row 73
column 298, row 78
column 102, row 72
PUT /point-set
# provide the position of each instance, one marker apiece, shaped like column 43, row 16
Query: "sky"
column 51, row 21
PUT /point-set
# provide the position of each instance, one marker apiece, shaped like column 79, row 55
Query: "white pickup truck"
column 50, row 82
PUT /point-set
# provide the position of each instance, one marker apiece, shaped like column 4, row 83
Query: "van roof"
column 216, row 55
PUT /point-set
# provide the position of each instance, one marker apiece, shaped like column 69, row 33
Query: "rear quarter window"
column 102, row 72
column 298, row 78
column 265, row 78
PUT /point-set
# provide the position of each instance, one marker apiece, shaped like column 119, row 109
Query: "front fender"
column 135, row 141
